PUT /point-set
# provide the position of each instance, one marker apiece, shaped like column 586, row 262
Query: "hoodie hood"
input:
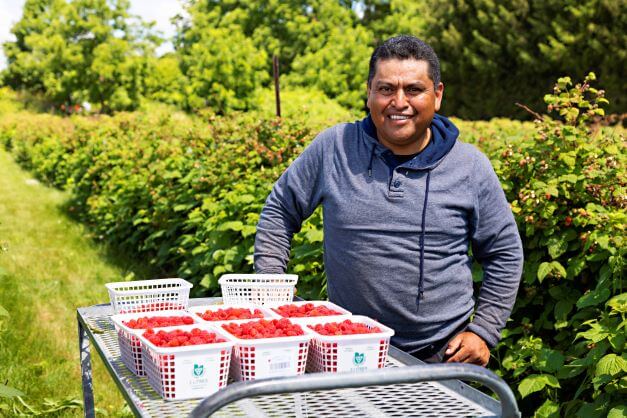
column 444, row 134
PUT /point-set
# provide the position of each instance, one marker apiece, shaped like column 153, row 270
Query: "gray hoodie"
column 396, row 240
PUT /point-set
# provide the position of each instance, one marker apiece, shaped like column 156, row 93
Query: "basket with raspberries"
column 267, row 348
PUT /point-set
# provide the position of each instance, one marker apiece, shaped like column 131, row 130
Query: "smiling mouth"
column 399, row 117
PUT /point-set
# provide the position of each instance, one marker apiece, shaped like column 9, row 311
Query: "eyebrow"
column 417, row 83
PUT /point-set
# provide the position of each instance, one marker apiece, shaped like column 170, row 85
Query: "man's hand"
column 468, row 347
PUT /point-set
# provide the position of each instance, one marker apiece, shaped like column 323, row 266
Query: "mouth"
column 399, row 117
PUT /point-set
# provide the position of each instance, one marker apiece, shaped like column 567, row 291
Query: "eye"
column 385, row 90
column 414, row 90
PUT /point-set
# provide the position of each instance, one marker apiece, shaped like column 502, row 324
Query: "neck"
column 410, row 148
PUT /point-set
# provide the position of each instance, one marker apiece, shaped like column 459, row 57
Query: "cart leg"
column 88, row 388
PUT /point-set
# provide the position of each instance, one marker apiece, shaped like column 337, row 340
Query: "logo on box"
column 199, row 369
column 359, row 358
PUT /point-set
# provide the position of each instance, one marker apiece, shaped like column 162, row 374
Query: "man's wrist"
column 482, row 333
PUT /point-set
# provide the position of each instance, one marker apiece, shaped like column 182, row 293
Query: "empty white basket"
column 257, row 289
column 149, row 295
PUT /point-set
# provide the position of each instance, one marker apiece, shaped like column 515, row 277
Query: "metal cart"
column 405, row 388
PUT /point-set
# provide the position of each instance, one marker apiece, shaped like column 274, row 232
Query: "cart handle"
column 386, row 376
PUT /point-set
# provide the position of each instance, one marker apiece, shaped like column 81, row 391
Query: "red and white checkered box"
column 187, row 372
column 347, row 353
column 268, row 357
column 128, row 340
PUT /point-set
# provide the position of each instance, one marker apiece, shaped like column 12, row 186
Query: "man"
column 403, row 200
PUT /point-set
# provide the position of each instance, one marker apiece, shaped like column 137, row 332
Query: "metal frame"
column 248, row 397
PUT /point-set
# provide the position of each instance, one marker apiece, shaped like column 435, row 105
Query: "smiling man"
column 403, row 202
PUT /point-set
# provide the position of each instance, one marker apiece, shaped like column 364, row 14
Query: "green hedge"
column 185, row 193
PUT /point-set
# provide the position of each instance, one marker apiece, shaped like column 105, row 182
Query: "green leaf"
column 591, row 410
column 549, row 361
column 593, row 298
column 570, row 160
column 556, row 266
column 611, row 364
column 314, row 235
column 596, row 333
column 618, row 341
column 248, row 230
column 231, row 225
column 557, row 246
column 552, row 190
column 575, row 267
column 563, row 308
column 536, row 382
column 549, row 409
column 618, row 303
column 543, row 270
column 8, row 392
column 571, row 178
column 619, row 411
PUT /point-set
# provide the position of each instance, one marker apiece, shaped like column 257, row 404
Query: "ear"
column 368, row 91
column 439, row 93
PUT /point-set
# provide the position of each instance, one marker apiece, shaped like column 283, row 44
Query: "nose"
column 399, row 100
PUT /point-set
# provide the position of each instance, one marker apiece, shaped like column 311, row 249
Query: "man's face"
column 402, row 101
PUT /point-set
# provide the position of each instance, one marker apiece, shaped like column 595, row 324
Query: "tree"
column 339, row 67
column 221, row 75
column 497, row 53
column 80, row 50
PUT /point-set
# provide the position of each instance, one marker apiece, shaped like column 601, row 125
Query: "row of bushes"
column 185, row 194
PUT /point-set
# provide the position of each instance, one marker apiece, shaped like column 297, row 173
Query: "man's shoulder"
column 467, row 151
column 340, row 131
column 330, row 137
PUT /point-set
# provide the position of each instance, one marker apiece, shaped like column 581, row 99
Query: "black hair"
column 406, row 47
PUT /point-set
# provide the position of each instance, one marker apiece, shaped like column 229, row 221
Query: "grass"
column 48, row 268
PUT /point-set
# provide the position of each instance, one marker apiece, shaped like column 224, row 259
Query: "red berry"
column 304, row 310
column 346, row 327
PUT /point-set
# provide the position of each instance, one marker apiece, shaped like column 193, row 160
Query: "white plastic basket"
column 269, row 357
column 257, row 289
column 149, row 295
column 128, row 340
column 194, row 371
column 197, row 311
column 342, row 312
column 347, row 353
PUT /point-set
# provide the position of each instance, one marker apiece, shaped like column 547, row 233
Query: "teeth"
column 399, row 117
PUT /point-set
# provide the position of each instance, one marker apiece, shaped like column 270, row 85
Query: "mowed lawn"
column 48, row 268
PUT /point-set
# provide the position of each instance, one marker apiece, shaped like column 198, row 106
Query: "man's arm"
column 496, row 245
column 293, row 199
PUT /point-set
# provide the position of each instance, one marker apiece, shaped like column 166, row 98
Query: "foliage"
column 220, row 76
column 165, row 82
column 565, row 343
column 339, row 68
column 512, row 51
column 304, row 104
column 73, row 52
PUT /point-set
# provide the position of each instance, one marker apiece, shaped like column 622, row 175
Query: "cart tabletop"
column 445, row 398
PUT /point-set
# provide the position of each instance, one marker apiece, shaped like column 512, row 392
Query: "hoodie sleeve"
column 293, row 199
column 497, row 246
